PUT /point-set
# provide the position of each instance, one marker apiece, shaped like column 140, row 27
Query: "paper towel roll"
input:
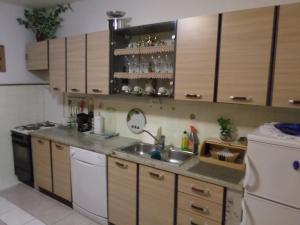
column 98, row 124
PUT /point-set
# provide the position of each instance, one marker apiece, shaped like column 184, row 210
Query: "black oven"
column 22, row 157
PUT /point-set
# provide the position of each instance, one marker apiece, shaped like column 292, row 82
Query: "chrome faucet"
column 158, row 142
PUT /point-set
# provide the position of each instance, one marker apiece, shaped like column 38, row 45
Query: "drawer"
column 200, row 207
column 186, row 218
column 201, row 189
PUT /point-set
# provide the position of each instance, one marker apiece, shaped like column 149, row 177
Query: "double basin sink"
column 169, row 155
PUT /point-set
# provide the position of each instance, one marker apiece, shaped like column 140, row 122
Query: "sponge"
column 155, row 155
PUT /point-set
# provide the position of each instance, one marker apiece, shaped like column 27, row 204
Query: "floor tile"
column 75, row 218
column 2, row 223
column 5, row 206
column 34, row 222
column 16, row 217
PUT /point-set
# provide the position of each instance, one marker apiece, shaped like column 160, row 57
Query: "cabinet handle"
column 193, row 96
column 200, row 209
column 59, row 147
column 240, row 98
column 40, row 141
column 74, row 90
column 55, row 88
column 122, row 165
column 200, row 191
column 97, row 90
column 193, row 223
column 294, row 102
column 156, row 175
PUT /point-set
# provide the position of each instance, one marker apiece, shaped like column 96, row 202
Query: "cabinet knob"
column 55, row 88
column 156, row 175
column 58, row 147
column 294, row 102
column 200, row 191
column 296, row 165
column 200, row 209
column 240, row 98
column 122, row 165
column 40, row 141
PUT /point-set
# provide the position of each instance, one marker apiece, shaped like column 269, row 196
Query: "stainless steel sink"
column 170, row 155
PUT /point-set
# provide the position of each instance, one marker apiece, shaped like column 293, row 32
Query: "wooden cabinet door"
column 196, row 58
column 57, row 64
column 76, row 64
column 42, row 163
column 286, row 91
column 156, row 197
column 61, row 170
column 37, row 56
column 245, row 54
column 122, row 192
column 98, row 63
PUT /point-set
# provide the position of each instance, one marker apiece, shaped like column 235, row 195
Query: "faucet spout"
column 159, row 142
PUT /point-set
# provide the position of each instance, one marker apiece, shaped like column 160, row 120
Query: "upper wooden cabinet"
column 37, row 56
column 245, row 56
column 196, row 58
column 98, row 63
column 286, row 91
column 41, row 153
column 76, row 64
column 57, row 64
column 122, row 192
column 156, row 197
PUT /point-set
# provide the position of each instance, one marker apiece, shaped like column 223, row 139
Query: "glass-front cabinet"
column 143, row 60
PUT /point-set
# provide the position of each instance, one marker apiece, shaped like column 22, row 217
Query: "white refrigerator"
column 272, row 181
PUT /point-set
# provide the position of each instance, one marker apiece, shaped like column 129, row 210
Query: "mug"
column 137, row 90
column 163, row 91
column 149, row 89
column 126, row 88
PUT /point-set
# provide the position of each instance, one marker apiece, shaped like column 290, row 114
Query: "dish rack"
column 227, row 154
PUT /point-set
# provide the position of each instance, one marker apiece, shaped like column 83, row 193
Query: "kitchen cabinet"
column 37, row 56
column 156, row 196
column 41, row 153
column 76, row 64
column 122, row 192
column 57, row 64
column 245, row 56
column 98, row 63
column 199, row 202
column 61, row 170
column 286, row 92
column 196, row 58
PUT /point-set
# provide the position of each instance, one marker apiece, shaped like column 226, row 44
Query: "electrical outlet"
column 2, row 59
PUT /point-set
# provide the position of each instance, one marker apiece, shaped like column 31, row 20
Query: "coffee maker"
column 84, row 122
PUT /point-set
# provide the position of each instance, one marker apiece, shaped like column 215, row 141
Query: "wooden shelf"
column 124, row 75
column 143, row 50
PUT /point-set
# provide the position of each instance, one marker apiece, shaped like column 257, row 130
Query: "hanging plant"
column 226, row 129
column 44, row 22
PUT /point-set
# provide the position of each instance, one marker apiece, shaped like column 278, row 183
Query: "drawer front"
column 61, row 170
column 42, row 163
column 200, row 207
column 186, row 218
column 201, row 189
column 122, row 192
column 156, row 197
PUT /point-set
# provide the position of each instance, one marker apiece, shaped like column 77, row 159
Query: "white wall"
column 14, row 37
column 90, row 15
column 19, row 105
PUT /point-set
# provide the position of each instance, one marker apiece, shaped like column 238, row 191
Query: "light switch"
column 2, row 59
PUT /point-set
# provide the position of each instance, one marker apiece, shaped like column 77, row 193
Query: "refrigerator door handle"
column 251, row 177
column 247, row 218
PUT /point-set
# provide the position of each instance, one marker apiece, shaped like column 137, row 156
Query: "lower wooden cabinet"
column 122, row 192
column 61, row 170
column 52, row 171
column 186, row 218
column 156, row 196
column 41, row 153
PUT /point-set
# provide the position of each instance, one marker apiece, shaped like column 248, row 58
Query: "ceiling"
column 37, row 3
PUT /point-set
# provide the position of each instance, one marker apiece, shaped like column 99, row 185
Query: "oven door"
column 23, row 160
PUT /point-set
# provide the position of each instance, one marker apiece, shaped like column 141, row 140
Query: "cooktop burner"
column 34, row 126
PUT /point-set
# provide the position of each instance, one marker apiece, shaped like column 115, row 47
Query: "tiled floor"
column 22, row 205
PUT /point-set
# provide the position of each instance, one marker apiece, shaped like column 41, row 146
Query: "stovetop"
column 26, row 129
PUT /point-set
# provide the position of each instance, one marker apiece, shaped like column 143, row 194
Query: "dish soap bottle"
column 184, row 141
column 193, row 141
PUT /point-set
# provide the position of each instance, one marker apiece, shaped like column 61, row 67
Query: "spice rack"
column 144, row 50
column 216, row 144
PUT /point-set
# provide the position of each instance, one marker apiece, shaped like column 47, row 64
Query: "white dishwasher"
column 89, row 184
